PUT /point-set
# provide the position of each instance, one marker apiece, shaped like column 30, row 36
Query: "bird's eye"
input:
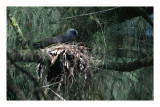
column 74, row 32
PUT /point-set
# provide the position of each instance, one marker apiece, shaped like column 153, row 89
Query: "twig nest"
column 67, row 61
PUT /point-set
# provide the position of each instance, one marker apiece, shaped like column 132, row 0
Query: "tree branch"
column 28, row 56
column 128, row 67
column 18, row 31
column 38, row 56
column 126, row 13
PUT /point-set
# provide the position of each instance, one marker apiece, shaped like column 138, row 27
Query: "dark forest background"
column 118, row 36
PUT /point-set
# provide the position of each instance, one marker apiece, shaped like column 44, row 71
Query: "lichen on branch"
column 18, row 31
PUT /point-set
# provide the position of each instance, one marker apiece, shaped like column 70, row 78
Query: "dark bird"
column 71, row 35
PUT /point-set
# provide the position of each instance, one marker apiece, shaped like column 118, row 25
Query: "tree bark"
column 18, row 31
column 28, row 56
column 128, row 67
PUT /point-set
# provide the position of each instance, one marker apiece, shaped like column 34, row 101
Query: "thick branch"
column 128, row 67
column 126, row 13
column 28, row 56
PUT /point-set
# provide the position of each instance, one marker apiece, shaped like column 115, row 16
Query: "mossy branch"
column 128, row 67
column 28, row 56
column 18, row 31
column 38, row 56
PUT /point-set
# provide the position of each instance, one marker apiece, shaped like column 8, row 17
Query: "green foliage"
column 108, row 41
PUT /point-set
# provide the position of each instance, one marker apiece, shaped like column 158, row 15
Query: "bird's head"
column 73, row 33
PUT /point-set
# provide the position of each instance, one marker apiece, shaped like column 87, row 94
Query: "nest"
column 68, row 61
